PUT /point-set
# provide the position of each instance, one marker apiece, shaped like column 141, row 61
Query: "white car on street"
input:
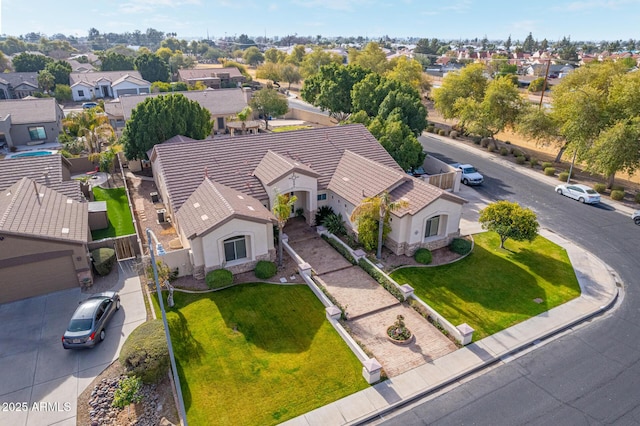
column 636, row 217
column 579, row 192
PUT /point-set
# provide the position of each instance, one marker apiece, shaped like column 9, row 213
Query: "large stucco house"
column 30, row 121
column 219, row 192
column 86, row 86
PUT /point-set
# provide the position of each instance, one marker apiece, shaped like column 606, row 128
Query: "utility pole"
column 544, row 85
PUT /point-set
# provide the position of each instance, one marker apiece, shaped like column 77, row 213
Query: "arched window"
column 235, row 248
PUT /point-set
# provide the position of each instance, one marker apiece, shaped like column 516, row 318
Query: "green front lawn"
column 258, row 354
column 492, row 288
column 120, row 220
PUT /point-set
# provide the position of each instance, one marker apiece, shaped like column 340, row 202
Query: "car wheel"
column 559, row 191
column 581, row 200
column 636, row 220
column 102, row 334
column 117, row 304
column 465, row 181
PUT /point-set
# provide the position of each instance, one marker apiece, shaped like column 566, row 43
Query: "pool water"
column 32, row 154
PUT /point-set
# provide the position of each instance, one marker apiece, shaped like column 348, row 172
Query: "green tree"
column 60, row 71
column 160, row 118
column 509, row 220
column 62, row 93
column 498, row 109
column 408, row 71
column 112, row 61
column 253, row 56
column 297, row 55
column 129, row 391
column 375, row 210
column 282, row 211
column 268, row 102
column 269, row 71
column 313, row 61
column 398, row 140
column 243, row 116
column 165, row 53
column 274, row 55
column 290, row 74
column 536, row 85
column 46, row 80
column 152, row 67
column 330, row 89
column 91, row 126
column 30, row 62
column 468, row 83
column 406, row 103
column 372, row 57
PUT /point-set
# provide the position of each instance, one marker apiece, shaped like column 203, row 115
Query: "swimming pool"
column 31, row 154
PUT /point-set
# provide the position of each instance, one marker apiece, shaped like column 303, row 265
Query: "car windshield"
column 79, row 325
column 591, row 191
column 470, row 170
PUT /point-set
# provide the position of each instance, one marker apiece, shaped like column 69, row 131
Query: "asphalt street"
column 590, row 375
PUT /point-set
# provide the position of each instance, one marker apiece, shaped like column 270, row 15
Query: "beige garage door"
column 36, row 278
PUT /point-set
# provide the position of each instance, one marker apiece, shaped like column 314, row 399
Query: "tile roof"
column 218, row 102
column 274, row 166
column 27, row 111
column 131, row 79
column 12, row 169
column 92, row 77
column 30, row 208
column 17, row 78
column 201, row 73
column 212, row 204
column 232, row 161
column 419, row 194
column 354, row 179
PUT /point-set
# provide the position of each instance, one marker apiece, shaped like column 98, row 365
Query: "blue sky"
column 454, row 19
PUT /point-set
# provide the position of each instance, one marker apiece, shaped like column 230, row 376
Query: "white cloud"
column 597, row 4
column 459, row 6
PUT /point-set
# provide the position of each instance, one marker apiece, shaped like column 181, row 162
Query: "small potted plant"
column 398, row 333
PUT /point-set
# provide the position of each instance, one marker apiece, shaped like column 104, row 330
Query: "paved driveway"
column 37, row 373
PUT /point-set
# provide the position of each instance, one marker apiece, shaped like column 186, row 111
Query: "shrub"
column 265, row 269
column 442, row 132
column 323, row 212
column 381, row 279
column 423, row 256
column 476, row 139
column 491, row 148
column 617, row 195
column 617, row 188
column 453, row 134
column 219, row 278
column 636, row 197
column 340, row 249
column 546, row 164
column 600, row 187
column 533, row 161
column 128, row 392
column 103, row 260
column 145, row 353
column 335, row 224
column 507, row 143
column 431, row 128
column 460, row 246
column 484, row 142
column 504, row 151
column 517, row 153
column 563, row 176
column 550, row 171
column 520, row 159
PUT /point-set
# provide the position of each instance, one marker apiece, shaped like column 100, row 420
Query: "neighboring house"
column 86, row 86
column 80, row 66
column 214, row 78
column 30, row 121
column 17, row 85
column 222, row 104
column 219, row 192
column 44, row 228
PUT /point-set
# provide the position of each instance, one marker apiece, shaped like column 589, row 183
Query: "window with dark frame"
column 235, row 248
column 433, row 225
column 37, row 133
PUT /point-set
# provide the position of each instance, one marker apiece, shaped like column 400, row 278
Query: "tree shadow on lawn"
column 277, row 319
column 550, row 269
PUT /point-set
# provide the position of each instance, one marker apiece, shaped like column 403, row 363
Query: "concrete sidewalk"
column 599, row 292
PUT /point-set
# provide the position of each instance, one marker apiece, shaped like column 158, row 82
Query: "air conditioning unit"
column 154, row 197
column 162, row 215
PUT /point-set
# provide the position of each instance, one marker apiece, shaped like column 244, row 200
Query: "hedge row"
column 381, row 279
column 340, row 249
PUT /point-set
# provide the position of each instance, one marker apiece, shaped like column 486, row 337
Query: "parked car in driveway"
column 582, row 193
column 89, row 321
column 636, row 217
column 89, row 105
column 469, row 176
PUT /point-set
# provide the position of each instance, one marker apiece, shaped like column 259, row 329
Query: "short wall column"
column 467, row 333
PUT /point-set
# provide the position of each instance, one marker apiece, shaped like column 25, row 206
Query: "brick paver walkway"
column 370, row 308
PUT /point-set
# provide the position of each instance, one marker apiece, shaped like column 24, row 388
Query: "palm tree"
column 382, row 206
column 282, row 211
column 91, row 125
column 243, row 116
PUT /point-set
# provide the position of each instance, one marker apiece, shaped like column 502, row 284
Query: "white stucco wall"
column 209, row 249
column 411, row 229
column 127, row 85
column 87, row 93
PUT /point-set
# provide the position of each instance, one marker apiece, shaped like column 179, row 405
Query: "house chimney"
column 247, row 94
